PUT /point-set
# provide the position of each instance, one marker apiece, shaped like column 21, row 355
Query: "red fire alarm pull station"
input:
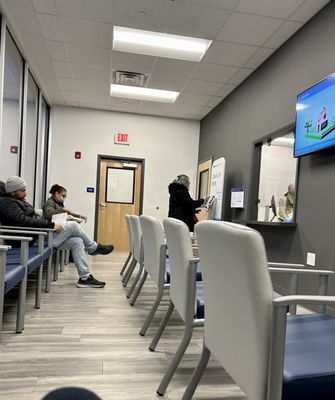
column 77, row 154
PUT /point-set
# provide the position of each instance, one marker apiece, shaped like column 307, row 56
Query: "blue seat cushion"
column 309, row 366
column 14, row 274
column 200, row 302
column 34, row 258
column 167, row 271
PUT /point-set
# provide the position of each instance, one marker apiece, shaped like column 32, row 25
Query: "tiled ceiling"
column 78, row 41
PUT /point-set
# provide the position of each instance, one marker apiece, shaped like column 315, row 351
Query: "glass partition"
column 30, row 140
column 277, row 180
column 11, row 117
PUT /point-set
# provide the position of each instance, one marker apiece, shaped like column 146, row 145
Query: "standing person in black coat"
column 181, row 204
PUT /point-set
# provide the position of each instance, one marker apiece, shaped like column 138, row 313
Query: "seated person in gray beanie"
column 15, row 211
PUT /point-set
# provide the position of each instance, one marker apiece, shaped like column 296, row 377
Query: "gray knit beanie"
column 14, row 183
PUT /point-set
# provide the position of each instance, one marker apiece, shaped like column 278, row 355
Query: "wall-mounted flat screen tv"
column 315, row 118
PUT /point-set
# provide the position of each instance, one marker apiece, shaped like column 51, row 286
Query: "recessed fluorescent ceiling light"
column 159, row 44
column 134, row 92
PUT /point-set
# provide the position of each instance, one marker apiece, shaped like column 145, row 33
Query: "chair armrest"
column 4, row 247
column 19, row 238
column 26, row 232
column 301, row 271
column 27, row 228
column 290, row 265
column 303, row 299
column 194, row 260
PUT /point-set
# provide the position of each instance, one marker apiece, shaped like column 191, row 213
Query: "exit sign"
column 121, row 138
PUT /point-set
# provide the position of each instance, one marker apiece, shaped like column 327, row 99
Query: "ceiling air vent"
column 129, row 78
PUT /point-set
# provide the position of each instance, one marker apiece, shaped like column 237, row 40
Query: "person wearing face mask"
column 55, row 204
column 16, row 211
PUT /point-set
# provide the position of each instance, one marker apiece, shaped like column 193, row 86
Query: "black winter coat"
column 181, row 204
column 20, row 213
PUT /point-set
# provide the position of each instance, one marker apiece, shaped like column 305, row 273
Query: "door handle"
column 102, row 205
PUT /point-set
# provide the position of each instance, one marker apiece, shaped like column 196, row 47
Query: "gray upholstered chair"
column 129, row 259
column 155, row 263
column 185, row 292
column 270, row 354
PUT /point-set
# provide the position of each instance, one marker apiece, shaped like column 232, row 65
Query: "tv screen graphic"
column 315, row 118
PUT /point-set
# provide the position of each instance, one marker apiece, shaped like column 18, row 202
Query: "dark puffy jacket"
column 181, row 204
column 20, row 213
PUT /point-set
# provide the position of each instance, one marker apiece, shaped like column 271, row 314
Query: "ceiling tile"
column 227, row 88
column 227, row 4
column 166, row 66
column 126, row 13
column 88, row 55
column 186, row 108
column 259, row 57
column 50, row 27
column 56, row 50
column 214, row 101
column 88, row 33
column 90, row 73
column 90, row 10
column 166, row 82
column 308, row 9
column 92, row 87
column 132, row 62
column 274, row 8
column 193, row 99
column 70, row 95
column 229, row 53
column 62, row 69
column 119, row 102
column 282, row 34
column 94, row 98
column 68, row 84
column 241, row 75
column 197, row 21
column 202, row 87
column 214, row 72
column 44, row 6
column 248, row 29
column 155, row 106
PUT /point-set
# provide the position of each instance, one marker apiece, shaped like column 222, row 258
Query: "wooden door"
column 204, row 185
column 120, row 193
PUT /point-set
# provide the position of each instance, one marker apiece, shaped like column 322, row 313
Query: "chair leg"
column 176, row 360
column 197, row 374
column 56, row 268
column 125, row 264
column 139, row 288
column 62, row 260
column 161, row 327
column 152, row 311
column 129, row 272
column 21, row 305
column 67, row 256
column 39, row 287
column 48, row 277
column 137, row 277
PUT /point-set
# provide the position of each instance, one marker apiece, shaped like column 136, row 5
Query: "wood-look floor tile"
column 90, row 338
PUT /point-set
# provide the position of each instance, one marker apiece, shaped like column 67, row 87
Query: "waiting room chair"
column 131, row 246
column 138, row 250
column 12, row 274
column 270, row 354
column 132, row 262
column 186, row 294
column 156, row 265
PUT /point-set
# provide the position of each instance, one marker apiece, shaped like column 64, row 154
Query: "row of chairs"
column 270, row 353
column 23, row 261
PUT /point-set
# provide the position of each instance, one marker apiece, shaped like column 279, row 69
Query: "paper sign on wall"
column 217, row 183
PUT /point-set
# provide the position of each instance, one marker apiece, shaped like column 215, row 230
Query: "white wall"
column 169, row 147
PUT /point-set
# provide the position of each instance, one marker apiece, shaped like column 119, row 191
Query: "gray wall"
column 262, row 104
